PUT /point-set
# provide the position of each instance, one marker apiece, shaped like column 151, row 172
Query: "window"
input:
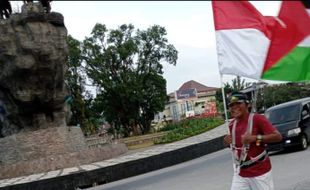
column 284, row 114
column 305, row 112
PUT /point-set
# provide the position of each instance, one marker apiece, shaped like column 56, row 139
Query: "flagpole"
column 226, row 122
column 224, row 101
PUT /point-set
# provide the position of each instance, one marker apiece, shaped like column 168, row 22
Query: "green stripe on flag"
column 293, row 67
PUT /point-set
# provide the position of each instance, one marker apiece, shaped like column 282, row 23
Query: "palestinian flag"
column 289, row 52
column 256, row 46
column 242, row 38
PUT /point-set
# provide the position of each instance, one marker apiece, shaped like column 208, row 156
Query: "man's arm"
column 267, row 133
column 273, row 137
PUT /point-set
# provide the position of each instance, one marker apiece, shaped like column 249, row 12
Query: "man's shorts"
column 262, row 182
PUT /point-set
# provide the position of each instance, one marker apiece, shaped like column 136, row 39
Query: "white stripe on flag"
column 305, row 42
column 242, row 52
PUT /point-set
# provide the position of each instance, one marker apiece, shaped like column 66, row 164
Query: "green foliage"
column 187, row 128
column 236, row 85
column 280, row 93
column 126, row 66
column 75, row 81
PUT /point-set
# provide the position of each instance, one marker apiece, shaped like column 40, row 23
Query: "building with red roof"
column 191, row 99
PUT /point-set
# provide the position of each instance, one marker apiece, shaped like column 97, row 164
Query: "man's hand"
column 247, row 138
column 227, row 140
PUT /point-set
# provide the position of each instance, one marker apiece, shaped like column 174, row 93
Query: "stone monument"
column 34, row 136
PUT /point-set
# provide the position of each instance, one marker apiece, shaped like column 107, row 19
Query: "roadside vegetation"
column 187, row 128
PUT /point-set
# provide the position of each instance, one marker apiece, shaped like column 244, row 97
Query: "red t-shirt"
column 262, row 126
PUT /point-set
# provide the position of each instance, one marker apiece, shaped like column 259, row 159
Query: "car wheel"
column 303, row 142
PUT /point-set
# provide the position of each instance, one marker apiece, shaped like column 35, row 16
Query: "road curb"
column 84, row 179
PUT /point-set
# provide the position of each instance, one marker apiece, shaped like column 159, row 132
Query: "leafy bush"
column 187, row 128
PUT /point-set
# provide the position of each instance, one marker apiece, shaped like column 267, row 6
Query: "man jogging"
column 249, row 135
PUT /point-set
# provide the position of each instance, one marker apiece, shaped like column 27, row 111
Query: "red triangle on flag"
column 291, row 27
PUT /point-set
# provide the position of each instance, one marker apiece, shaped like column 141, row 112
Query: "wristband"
column 259, row 139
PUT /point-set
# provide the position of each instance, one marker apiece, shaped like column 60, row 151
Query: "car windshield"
column 283, row 115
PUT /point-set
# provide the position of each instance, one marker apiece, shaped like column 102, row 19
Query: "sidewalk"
column 106, row 165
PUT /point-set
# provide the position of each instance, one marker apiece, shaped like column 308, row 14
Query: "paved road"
column 291, row 171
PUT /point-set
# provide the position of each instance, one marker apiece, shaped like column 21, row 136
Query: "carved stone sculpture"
column 34, row 137
column 33, row 53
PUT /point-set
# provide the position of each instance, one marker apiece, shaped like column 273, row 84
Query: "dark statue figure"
column 5, row 9
column 46, row 5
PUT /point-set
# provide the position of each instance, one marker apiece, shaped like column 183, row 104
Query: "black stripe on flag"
column 307, row 4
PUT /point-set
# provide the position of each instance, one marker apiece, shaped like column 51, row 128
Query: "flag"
column 288, row 57
column 242, row 37
column 263, row 47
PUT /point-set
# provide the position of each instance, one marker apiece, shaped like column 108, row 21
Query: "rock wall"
column 48, row 142
column 50, row 149
column 33, row 53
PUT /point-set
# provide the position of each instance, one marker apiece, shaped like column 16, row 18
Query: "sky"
column 189, row 26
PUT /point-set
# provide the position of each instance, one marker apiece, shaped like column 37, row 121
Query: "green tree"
column 126, row 65
column 76, row 84
column 236, row 85
column 219, row 97
column 280, row 93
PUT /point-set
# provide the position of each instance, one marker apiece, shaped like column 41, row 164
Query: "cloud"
column 194, row 63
